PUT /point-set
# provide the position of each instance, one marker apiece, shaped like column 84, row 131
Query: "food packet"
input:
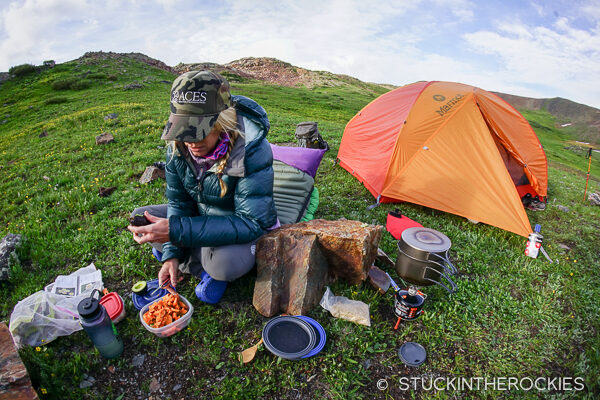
column 344, row 308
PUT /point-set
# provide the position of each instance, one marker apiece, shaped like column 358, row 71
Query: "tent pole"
column 589, row 154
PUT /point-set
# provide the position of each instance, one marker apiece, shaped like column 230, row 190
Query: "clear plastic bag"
column 344, row 308
column 43, row 316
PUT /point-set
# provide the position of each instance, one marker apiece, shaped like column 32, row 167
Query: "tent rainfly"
column 447, row 146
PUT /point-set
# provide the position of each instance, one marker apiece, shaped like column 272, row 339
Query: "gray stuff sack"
column 307, row 135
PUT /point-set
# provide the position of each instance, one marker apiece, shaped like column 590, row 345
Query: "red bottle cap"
column 113, row 304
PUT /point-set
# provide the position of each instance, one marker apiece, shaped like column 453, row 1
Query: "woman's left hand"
column 157, row 231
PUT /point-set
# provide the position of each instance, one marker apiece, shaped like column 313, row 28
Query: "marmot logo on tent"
column 188, row 97
column 448, row 106
column 439, row 97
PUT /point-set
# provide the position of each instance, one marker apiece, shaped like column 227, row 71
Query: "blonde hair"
column 226, row 122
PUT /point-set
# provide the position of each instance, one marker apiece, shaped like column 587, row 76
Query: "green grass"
column 512, row 316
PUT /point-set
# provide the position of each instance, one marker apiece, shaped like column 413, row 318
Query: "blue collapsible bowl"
column 321, row 335
column 151, row 294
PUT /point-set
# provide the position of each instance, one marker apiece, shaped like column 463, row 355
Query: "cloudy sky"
column 535, row 48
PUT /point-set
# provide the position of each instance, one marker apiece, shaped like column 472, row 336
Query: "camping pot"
column 408, row 303
column 423, row 258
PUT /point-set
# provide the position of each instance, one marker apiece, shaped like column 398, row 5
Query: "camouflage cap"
column 197, row 98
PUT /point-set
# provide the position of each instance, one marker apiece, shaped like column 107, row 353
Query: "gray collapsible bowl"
column 289, row 337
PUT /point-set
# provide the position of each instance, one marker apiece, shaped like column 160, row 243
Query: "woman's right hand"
column 170, row 271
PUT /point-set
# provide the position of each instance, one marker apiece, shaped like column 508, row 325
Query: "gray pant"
column 223, row 263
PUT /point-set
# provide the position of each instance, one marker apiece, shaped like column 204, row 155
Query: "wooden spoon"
column 248, row 355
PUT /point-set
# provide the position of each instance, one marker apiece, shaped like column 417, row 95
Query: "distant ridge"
column 583, row 120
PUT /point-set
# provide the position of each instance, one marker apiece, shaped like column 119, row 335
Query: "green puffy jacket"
column 198, row 215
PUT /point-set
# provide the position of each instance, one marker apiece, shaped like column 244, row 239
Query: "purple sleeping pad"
column 305, row 159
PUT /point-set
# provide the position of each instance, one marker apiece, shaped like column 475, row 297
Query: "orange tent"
column 448, row 146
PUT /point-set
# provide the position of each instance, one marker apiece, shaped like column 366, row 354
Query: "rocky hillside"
column 278, row 72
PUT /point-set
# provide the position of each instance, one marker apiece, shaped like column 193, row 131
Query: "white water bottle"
column 534, row 242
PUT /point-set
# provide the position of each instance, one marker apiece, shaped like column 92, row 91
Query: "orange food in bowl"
column 165, row 311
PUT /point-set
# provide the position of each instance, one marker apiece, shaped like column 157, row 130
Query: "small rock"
column 8, row 255
column 3, row 122
column 133, row 86
column 43, row 134
column 563, row 208
column 564, row 247
column 594, row 198
column 105, row 138
column 379, row 279
column 105, row 192
column 366, row 363
column 176, row 387
column 152, row 173
column 154, row 385
column 87, row 383
column 138, row 360
column 111, row 116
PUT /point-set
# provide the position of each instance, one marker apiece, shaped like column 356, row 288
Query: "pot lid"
column 289, row 337
column 426, row 239
column 412, row 354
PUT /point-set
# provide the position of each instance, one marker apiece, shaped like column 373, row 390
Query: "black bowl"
column 289, row 337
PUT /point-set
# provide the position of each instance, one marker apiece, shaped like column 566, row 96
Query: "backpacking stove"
column 408, row 303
